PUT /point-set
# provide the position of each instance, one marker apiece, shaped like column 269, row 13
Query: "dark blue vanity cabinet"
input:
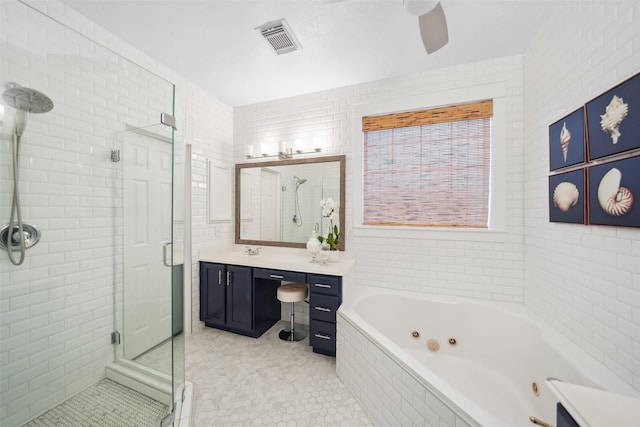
column 227, row 300
column 563, row 418
column 325, row 296
column 244, row 300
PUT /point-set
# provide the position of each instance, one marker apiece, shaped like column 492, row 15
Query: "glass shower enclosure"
column 98, row 296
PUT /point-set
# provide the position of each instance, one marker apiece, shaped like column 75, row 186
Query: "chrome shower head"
column 299, row 181
column 25, row 99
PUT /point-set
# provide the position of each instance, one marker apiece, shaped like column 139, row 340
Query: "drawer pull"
column 323, row 336
column 322, row 285
column 219, row 277
column 276, row 276
column 328, row 310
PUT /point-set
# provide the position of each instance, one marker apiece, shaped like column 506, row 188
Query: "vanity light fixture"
column 283, row 152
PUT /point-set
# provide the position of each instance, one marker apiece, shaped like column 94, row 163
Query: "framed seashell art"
column 614, row 193
column 567, row 201
column 567, row 141
column 613, row 120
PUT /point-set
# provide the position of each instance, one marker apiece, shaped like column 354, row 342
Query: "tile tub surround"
column 246, row 381
column 391, row 396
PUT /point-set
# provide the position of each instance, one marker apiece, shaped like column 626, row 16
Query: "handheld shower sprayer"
column 297, row 216
column 16, row 236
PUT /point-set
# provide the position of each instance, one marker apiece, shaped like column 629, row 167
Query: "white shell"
column 565, row 140
column 614, row 114
column 613, row 199
column 565, row 196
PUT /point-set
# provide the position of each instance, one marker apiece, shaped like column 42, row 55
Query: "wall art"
column 614, row 193
column 613, row 120
column 567, row 201
column 567, row 141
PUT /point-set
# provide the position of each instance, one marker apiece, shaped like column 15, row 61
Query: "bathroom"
column 583, row 280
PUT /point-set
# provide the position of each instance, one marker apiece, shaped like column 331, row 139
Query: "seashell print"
column 565, row 196
column 565, row 140
column 620, row 203
column 613, row 199
column 614, row 114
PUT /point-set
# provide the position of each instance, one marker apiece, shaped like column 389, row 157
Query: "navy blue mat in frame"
column 567, row 197
column 567, row 141
column 613, row 120
column 614, row 193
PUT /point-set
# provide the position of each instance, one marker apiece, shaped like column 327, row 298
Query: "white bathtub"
column 485, row 379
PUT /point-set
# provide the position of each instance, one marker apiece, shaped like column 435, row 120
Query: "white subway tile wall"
column 584, row 279
column 56, row 311
column 490, row 270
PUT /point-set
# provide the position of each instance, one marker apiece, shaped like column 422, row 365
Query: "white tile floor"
column 242, row 381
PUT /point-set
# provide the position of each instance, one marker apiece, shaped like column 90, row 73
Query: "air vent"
column 279, row 36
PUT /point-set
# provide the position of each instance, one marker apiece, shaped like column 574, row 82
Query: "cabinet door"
column 240, row 298
column 212, row 293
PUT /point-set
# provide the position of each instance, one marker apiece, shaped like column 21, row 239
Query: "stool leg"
column 292, row 317
column 292, row 334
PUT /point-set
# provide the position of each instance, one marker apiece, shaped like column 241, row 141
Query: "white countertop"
column 288, row 259
column 591, row 407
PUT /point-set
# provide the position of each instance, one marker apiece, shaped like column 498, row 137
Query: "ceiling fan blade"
column 433, row 29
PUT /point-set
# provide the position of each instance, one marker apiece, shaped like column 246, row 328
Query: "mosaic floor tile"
column 242, row 381
column 105, row 404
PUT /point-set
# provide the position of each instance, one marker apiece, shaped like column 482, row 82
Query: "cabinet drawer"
column 289, row 276
column 323, row 307
column 322, row 337
column 328, row 285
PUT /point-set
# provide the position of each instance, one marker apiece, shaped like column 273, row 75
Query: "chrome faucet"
column 252, row 252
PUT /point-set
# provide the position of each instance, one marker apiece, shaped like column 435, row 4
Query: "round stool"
column 293, row 293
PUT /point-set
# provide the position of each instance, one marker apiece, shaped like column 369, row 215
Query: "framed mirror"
column 278, row 202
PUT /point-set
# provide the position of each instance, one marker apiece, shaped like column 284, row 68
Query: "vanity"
column 238, row 291
column 580, row 406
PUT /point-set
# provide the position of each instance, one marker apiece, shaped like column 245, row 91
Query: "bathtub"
column 417, row 359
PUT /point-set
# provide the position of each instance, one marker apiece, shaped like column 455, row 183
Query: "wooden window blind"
column 428, row 168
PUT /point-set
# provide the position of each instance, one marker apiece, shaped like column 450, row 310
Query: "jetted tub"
column 416, row 359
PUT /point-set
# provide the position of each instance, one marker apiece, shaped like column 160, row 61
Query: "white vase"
column 334, row 256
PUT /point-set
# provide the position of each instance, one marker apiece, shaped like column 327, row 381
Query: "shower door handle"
column 164, row 253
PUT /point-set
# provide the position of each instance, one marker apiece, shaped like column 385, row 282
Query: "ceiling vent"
column 279, row 36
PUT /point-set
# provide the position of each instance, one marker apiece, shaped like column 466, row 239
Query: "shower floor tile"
column 105, row 404
column 242, row 381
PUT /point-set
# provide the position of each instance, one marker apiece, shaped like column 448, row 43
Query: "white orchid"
column 330, row 210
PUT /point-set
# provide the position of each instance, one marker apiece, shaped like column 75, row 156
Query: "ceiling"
column 215, row 44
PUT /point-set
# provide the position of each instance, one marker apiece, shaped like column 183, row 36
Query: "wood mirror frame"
column 341, row 159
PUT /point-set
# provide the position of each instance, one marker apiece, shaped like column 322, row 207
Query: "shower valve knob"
column 15, row 238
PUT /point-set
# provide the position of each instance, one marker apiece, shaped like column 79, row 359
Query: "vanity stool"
column 293, row 293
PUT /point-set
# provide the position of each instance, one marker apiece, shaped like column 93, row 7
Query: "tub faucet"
column 252, row 252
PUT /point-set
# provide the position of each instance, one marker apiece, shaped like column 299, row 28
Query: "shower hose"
column 16, row 212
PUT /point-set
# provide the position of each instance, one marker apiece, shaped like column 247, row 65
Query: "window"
column 428, row 168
